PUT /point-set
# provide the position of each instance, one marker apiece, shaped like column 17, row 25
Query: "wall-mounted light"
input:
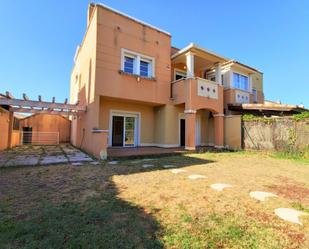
column 138, row 79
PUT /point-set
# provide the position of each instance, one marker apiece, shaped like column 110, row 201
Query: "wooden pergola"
column 26, row 105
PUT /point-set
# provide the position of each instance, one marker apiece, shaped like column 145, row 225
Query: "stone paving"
column 34, row 155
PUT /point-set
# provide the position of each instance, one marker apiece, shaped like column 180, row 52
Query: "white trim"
column 192, row 45
column 180, row 72
column 137, row 58
column 218, row 115
column 189, row 111
column 137, row 127
column 189, row 148
column 132, row 18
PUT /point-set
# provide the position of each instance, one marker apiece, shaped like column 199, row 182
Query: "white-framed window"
column 254, row 91
column 128, row 66
column 179, row 74
column 138, row 64
column 240, row 81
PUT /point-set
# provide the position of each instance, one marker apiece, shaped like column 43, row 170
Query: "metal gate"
column 39, row 138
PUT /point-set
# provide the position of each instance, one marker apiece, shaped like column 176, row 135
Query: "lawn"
column 128, row 206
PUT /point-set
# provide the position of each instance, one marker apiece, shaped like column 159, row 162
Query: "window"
column 15, row 124
column 179, row 75
column 240, row 81
column 144, row 69
column 134, row 63
column 254, row 95
column 128, row 64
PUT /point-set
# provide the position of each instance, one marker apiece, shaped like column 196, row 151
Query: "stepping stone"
column 53, row 160
column 136, row 161
column 95, row 163
column 112, row 162
column 261, row 196
column 148, row 166
column 290, row 215
column 168, row 166
column 220, row 186
column 77, row 164
column 177, row 171
column 194, row 177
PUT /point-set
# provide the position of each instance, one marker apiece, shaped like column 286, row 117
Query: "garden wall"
column 275, row 134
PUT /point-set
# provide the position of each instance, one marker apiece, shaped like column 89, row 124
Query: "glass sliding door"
column 129, row 133
column 118, row 128
column 124, row 130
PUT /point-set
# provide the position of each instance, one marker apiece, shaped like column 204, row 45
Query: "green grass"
column 300, row 156
column 103, row 222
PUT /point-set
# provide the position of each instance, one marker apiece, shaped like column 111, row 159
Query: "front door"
column 124, row 131
column 182, row 132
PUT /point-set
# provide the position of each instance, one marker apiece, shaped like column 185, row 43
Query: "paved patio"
column 143, row 151
column 33, row 155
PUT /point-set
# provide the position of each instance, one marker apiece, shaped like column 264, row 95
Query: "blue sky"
column 38, row 40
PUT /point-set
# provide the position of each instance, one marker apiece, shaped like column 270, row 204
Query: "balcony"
column 198, row 93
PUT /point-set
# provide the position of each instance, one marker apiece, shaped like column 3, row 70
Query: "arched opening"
column 203, row 127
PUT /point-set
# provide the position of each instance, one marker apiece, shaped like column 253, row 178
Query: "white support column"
column 218, row 73
column 190, row 64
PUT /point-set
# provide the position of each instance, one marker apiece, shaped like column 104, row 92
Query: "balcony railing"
column 197, row 92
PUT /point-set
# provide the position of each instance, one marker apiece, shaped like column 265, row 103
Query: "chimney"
column 90, row 11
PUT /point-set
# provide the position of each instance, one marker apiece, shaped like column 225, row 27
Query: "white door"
column 198, row 130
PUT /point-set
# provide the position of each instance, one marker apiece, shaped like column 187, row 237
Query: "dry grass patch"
column 128, row 206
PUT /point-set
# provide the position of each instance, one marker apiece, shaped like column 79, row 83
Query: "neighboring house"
column 141, row 91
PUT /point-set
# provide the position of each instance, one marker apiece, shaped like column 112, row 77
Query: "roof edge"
column 132, row 18
column 193, row 45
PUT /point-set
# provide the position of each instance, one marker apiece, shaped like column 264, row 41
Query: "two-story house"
column 141, row 91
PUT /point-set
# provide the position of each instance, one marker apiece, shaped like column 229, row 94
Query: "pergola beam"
column 25, row 97
column 9, row 95
column 40, row 111
column 40, row 104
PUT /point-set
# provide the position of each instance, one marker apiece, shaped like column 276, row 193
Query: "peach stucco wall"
column 8, row 137
column 83, row 85
column 49, row 123
column 4, row 128
column 146, row 113
column 116, row 32
column 232, row 129
column 185, row 91
column 15, row 140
